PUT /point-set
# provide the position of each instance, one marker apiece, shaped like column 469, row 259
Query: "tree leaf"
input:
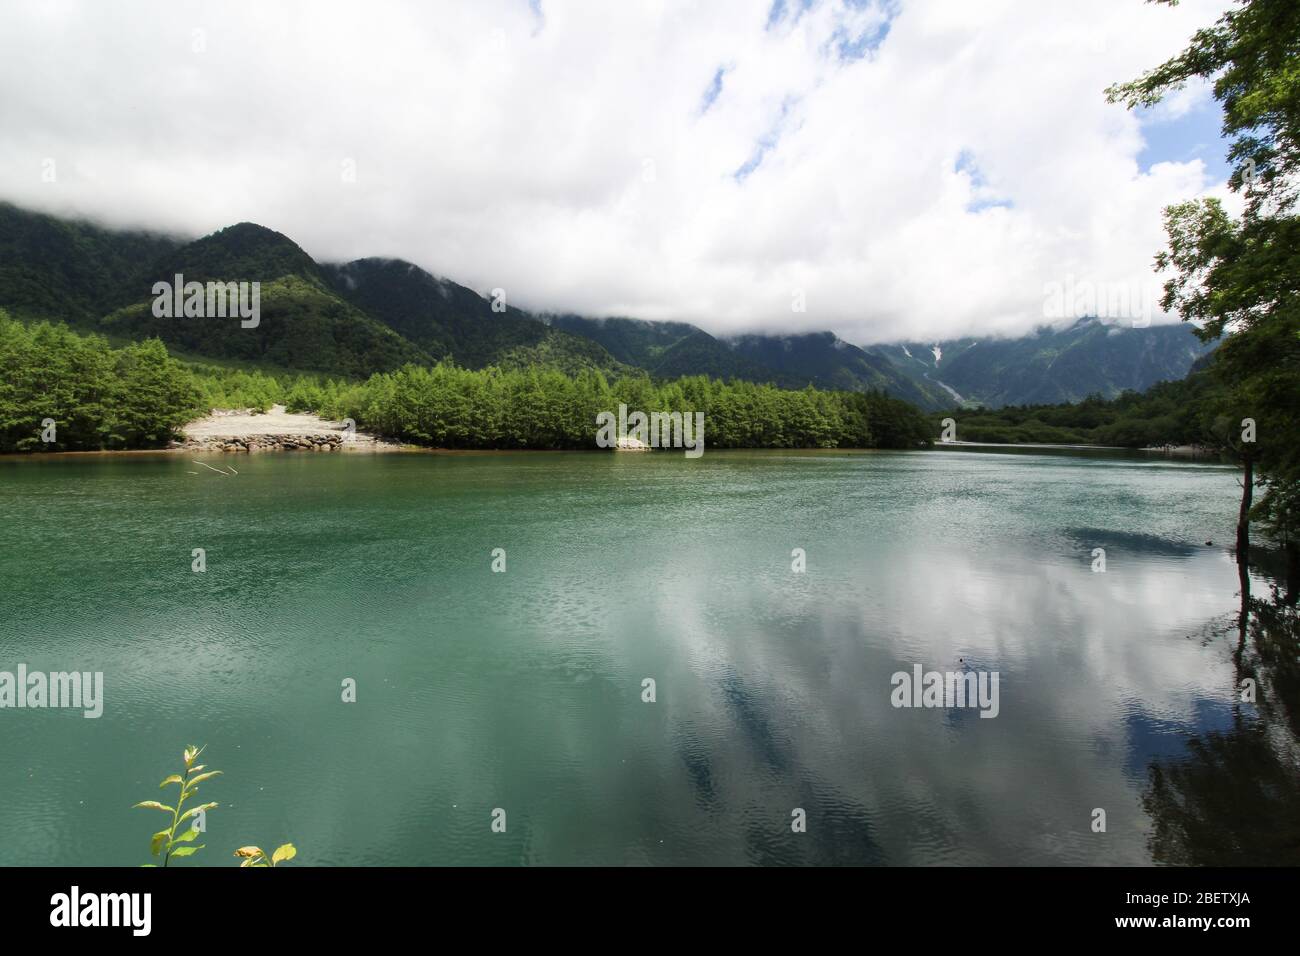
column 286, row 852
column 187, row 850
column 154, row 805
column 203, row 776
column 188, row 836
column 174, row 778
column 204, row 809
column 156, row 842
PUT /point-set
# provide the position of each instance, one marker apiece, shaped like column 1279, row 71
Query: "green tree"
column 1239, row 278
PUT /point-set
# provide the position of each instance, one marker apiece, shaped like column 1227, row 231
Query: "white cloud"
column 1195, row 95
column 504, row 149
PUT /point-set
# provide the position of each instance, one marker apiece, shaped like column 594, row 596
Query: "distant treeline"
column 1170, row 413
column 450, row 407
column 138, row 396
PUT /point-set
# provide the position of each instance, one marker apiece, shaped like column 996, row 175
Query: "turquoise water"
column 523, row 690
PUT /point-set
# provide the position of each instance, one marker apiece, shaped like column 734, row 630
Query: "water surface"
column 523, row 690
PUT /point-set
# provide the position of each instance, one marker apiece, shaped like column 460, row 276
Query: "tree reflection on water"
column 1234, row 798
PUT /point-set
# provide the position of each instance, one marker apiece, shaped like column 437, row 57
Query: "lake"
column 523, row 691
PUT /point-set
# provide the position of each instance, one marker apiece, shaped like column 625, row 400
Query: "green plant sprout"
column 169, row 842
column 175, row 845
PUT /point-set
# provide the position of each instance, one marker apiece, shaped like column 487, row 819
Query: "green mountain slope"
column 244, row 252
column 304, row 324
column 672, row 349
column 376, row 314
column 827, row 361
column 71, row 270
column 667, row 349
column 446, row 319
column 634, row 341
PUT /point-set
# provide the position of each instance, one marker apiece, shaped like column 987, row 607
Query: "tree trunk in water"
column 1292, row 573
column 1243, row 516
column 1243, row 547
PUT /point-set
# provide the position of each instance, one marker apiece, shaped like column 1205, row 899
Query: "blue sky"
column 1195, row 135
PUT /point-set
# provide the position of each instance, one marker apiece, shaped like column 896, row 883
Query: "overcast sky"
column 914, row 169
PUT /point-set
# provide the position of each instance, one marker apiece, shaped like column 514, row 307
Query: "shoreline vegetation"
column 139, row 397
column 69, row 391
column 1168, row 415
column 102, row 398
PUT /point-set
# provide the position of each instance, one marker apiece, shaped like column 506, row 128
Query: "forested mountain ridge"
column 448, row 320
column 1051, row 365
column 355, row 319
column 71, row 270
column 1089, row 357
column 375, row 314
column 669, row 349
column 821, row 359
column 303, row 322
column 824, row 360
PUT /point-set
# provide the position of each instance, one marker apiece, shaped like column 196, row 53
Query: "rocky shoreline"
column 247, row 430
column 328, row 441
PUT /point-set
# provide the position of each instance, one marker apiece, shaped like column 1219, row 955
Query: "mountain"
column 352, row 320
column 371, row 315
column 666, row 349
column 304, row 323
column 1050, row 366
column 827, row 361
column 673, row 349
column 68, row 269
column 449, row 320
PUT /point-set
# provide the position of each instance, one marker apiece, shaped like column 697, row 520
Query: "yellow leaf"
column 154, row 805
column 203, row 776
column 286, row 852
column 197, row 810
